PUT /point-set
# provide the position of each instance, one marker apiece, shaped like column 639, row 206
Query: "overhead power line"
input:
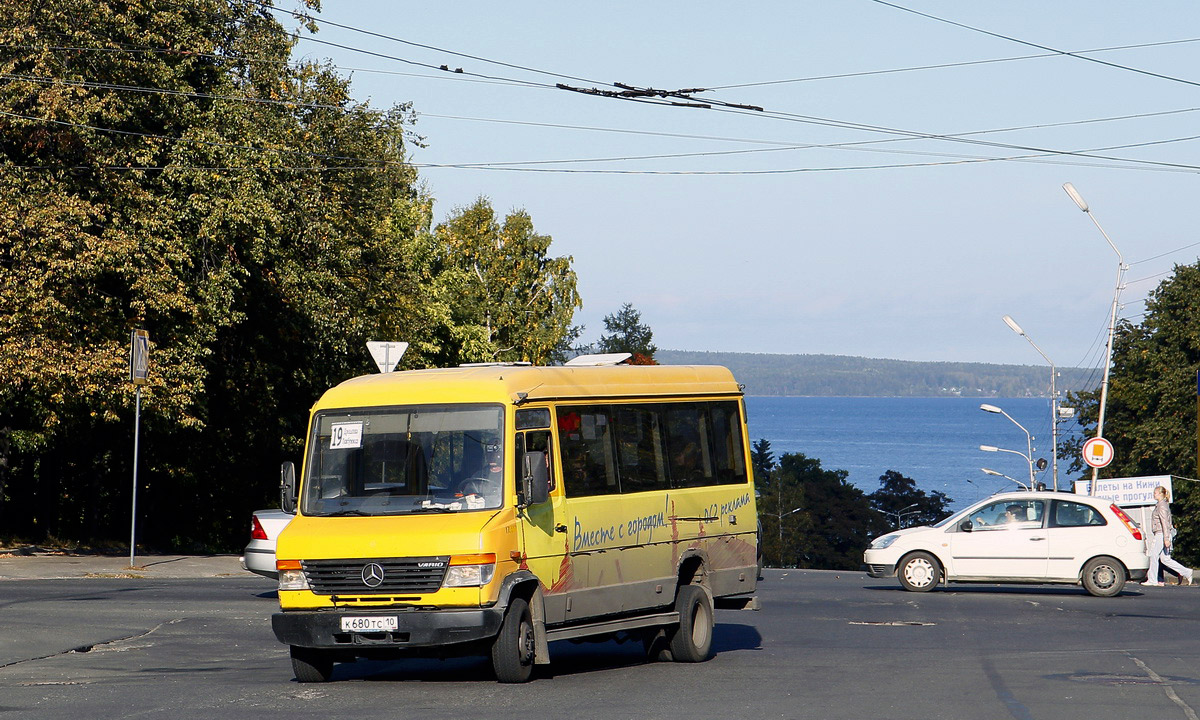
column 388, row 163
column 305, row 17
column 943, row 66
column 1076, row 55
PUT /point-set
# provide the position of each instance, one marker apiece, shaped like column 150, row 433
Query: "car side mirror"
column 535, row 485
column 287, row 487
column 966, row 526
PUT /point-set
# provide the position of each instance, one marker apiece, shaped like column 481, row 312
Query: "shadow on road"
column 567, row 658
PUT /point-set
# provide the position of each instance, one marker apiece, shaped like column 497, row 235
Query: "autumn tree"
column 168, row 166
column 1151, row 410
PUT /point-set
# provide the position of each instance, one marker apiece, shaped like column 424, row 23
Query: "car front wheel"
column 1104, row 577
column 919, row 572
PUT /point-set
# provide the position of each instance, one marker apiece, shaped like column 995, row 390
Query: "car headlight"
column 880, row 543
column 470, row 570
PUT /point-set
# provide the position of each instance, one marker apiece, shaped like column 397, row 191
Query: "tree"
column 762, row 460
column 901, row 502
column 1151, row 413
column 814, row 518
column 167, row 166
column 625, row 333
column 514, row 300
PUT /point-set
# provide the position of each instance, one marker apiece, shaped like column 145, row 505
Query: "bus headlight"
column 470, row 570
column 291, row 575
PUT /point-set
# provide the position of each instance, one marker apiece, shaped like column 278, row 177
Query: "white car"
column 1018, row 537
column 259, row 555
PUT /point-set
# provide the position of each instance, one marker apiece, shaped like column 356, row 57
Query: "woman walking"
column 1160, row 542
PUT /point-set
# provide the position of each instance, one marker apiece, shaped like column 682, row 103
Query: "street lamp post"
column 1112, row 323
column 780, row 516
column 901, row 513
column 989, row 471
column 1028, row 438
column 1053, row 396
column 993, row 448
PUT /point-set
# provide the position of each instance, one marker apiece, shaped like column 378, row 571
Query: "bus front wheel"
column 512, row 651
column 311, row 665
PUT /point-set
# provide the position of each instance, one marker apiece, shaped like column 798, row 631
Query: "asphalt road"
column 824, row 645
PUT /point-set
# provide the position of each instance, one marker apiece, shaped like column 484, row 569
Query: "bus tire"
column 691, row 640
column 513, row 648
column 655, row 644
column 310, row 665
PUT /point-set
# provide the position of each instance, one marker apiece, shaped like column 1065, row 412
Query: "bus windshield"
column 395, row 461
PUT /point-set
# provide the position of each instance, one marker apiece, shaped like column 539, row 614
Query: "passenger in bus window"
column 685, row 466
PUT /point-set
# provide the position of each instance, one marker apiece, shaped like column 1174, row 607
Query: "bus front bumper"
column 415, row 629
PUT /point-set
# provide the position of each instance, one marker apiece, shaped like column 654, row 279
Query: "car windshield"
column 949, row 519
column 397, row 461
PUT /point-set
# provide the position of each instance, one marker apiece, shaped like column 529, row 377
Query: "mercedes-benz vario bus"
column 494, row 509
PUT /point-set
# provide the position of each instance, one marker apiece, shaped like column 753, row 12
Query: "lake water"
column 934, row 441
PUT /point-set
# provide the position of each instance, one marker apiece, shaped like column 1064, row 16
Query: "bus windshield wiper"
column 434, row 508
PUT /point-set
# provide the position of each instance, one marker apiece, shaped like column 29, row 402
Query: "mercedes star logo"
column 372, row 575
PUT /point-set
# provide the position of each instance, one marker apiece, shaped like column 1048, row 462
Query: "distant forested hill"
column 843, row 376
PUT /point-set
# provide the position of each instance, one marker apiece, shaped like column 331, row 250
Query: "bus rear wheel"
column 691, row 640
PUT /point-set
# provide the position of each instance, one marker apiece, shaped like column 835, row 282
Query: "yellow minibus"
column 493, row 509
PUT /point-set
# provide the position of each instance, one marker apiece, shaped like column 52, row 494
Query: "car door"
column 1007, row 540
column 1076, row 531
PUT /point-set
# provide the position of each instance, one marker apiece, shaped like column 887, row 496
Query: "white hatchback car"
column 1018, row 537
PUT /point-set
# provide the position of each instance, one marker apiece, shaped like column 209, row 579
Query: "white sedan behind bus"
column 259, row 555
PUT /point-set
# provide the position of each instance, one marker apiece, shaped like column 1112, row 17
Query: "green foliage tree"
column 814, row 518
column 166, row 166
column 625, row 332
column 762, row 461
column 515, row 301
column 1151, row 412
column 900, row 501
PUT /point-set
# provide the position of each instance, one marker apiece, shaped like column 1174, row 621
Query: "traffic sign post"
column 139, row 373
column 1097, row 452
column 386, row 354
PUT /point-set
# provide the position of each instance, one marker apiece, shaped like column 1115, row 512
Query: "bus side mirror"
column 287, row 487
column 535, row 480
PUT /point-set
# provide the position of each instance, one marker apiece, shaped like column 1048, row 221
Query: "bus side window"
column 585, row 439
column 639, row 446
column 687, row 446
column 727, row 443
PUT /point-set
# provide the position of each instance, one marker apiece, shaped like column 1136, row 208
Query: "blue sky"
column 913, row 248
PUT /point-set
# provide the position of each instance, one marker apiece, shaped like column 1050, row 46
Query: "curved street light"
column 1028, row 438
column 1012, row 324
column 1112, row 322
column 901, row 513
column 993, row 448
column 989, row 471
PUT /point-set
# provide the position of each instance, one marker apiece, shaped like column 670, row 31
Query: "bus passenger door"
column 545, row 535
